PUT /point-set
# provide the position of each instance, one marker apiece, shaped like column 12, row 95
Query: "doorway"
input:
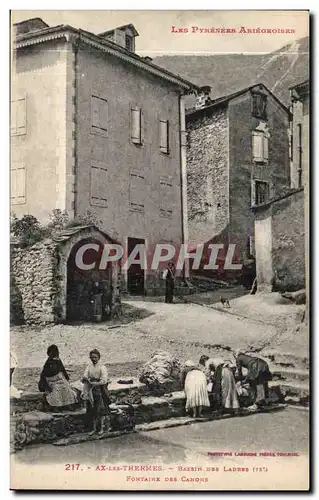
column 135, row 273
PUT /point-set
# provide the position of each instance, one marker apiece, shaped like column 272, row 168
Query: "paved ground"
column 285, row 431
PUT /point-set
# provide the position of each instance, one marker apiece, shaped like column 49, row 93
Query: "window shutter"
column 136, row 125
column 95, row 184
column 137, row 192
column 142, row 131
column 257, row 146
column 18, row 116
column 99, row 186
column 265, row 149
column 18, row 184
column 164, row 136
column 166, row 197
column 95, row 112
column 104, row 111
column 253, row 193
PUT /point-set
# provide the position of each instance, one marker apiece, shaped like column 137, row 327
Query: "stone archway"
column 70, row 280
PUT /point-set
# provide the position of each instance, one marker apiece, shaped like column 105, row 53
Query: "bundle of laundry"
column 162, row 372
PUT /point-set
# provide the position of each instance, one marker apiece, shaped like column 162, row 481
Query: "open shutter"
column 21, row 116
column 164, row 136
column 104, row 111
column 95, row 111
column 136, row 125
column 258, row 146
column 265, row 149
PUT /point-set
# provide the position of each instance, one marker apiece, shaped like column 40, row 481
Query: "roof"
column 77, row 35
column 305, row 83
column 130, row 26
column 224, row 100
column 66, row 234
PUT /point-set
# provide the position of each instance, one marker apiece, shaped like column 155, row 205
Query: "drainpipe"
column 182, row 125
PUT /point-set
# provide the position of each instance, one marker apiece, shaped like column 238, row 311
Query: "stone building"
column 237, row 157
column 95, row 126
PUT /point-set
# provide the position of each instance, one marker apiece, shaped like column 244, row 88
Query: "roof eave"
column 65, row 31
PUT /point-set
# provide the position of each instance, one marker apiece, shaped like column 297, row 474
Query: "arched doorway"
column 80, row 283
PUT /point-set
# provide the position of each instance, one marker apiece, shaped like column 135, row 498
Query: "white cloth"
column 14, row 392
column 13, row 360
column 229, row 393
column 196, row 389
column 98, row 372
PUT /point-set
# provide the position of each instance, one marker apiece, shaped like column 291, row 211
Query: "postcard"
column 159, row 250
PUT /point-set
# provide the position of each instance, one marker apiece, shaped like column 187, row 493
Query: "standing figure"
column 96, row 298
column 224, row 392
column 195, row 386
column 54, row 381
column 95, row 393
column 14, row 392
column 258, row 375
column 169, row 283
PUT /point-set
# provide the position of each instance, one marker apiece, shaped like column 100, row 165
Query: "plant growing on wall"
column 28, row 229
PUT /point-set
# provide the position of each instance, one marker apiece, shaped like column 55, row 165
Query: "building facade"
column 96, row 127
column 237, row 157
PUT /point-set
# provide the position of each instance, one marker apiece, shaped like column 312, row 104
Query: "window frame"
column 259, row 111
column 265, row 139
column 166, row 212
column 254, row 191
column 134, row 205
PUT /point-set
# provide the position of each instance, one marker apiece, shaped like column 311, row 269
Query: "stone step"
column 285, row 360
column 293, row 392
column 289, row 373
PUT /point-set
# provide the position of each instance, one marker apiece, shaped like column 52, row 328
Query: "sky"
column 155, row 28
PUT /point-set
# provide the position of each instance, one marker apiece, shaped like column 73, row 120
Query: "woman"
column 170, row 283
column 14, row 392
column 258, row 375
column 224, row 393
column 95, row 393
column 54, row 381
column 195, row 386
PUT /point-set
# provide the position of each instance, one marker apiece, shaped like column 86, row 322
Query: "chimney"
column 203, row 98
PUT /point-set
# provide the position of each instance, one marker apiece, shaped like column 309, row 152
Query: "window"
column 260, row 147
column 261, row 194
column 18, row 184
column 164, row 137
column 166, row 197
column 137, row 126
column 99, row 185
column 99, row 108
column 299, row 138
column 18, row 123
column 259, row 110
column 129, row 43
column 137, row 192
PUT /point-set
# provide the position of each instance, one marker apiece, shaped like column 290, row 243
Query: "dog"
column 225, row 302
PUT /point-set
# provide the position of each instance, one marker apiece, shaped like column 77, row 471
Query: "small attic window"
column 129, row 43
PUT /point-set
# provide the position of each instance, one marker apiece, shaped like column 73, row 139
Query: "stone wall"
column 285, row 255
column 207, row 175
column 32, row 281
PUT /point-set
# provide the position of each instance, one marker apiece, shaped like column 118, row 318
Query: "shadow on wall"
column 220, row 273
column 16, row 307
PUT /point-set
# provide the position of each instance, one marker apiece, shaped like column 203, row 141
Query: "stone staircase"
column 290, row 377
